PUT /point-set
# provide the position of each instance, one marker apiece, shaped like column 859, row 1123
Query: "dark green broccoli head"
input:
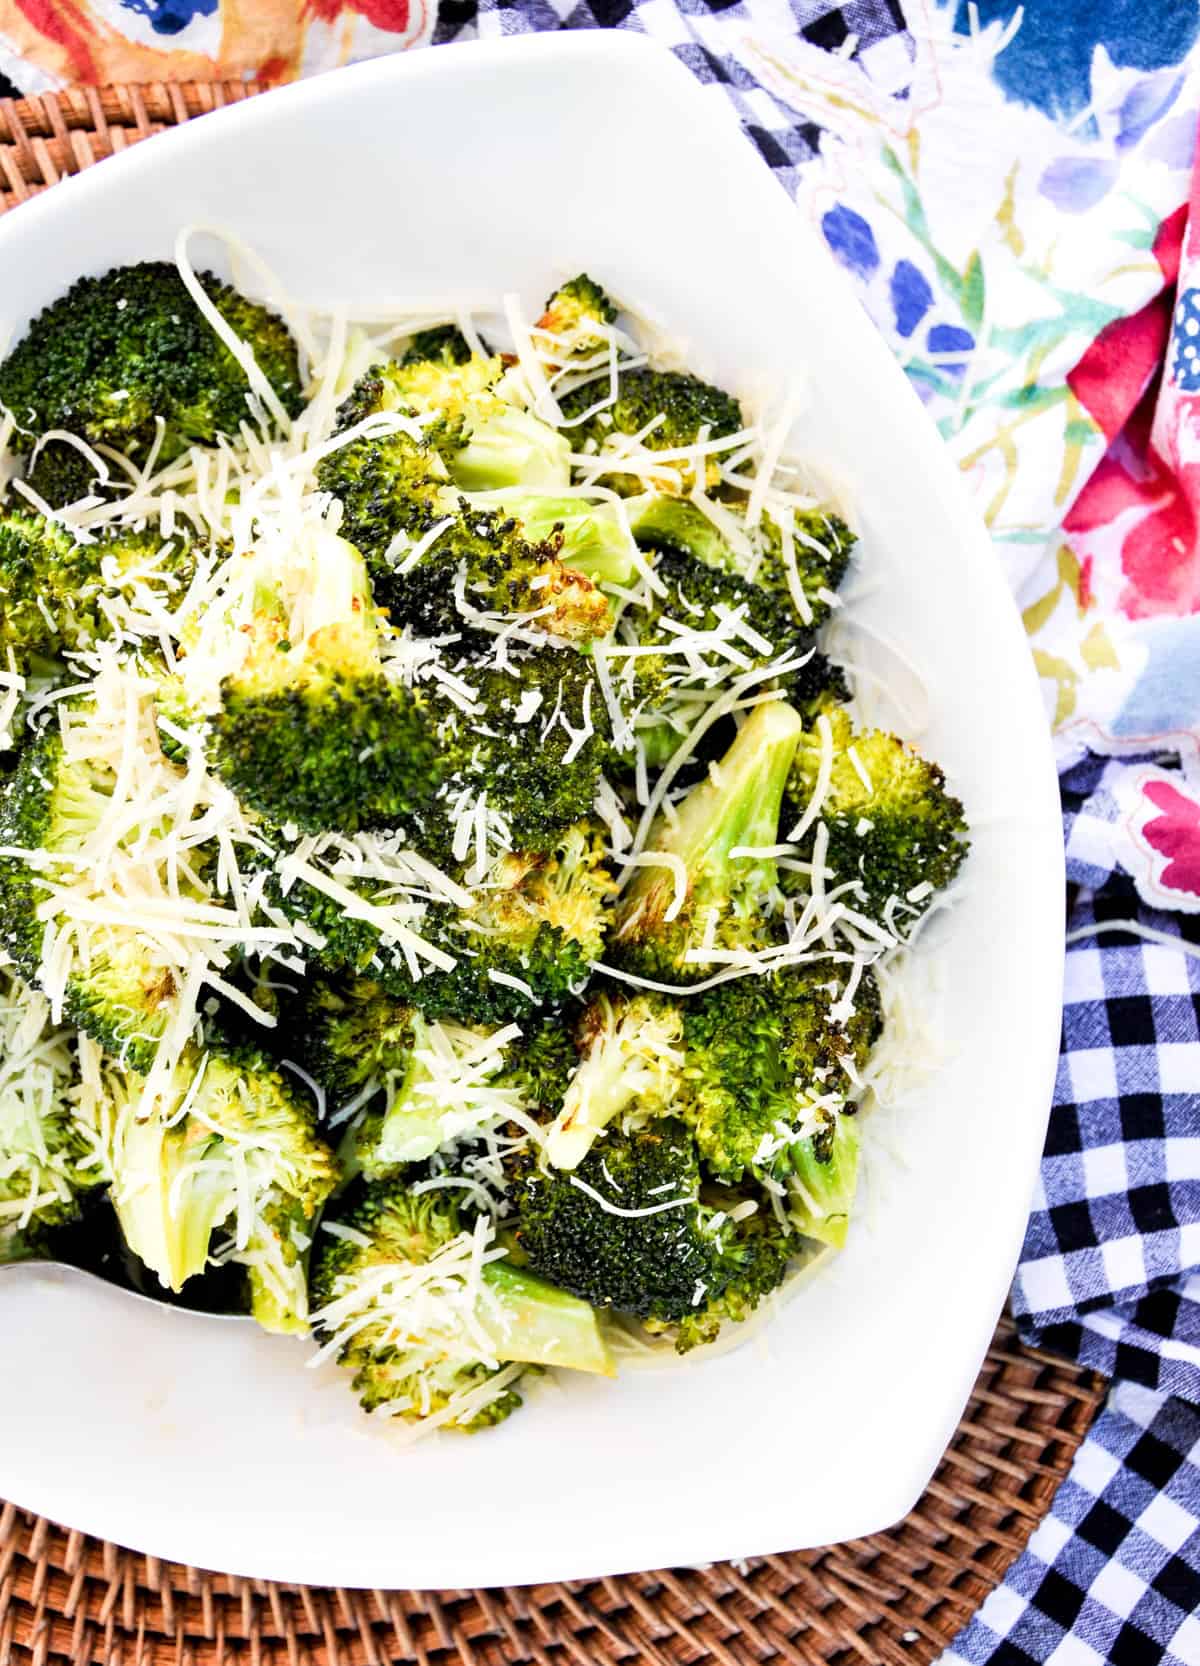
column 444, row 344
column 118, row 352
column 755, row 1253
column 540, row 1065
column 818, row 545
column 701, row 598
column 417, row 1338
column 484, row 562
column 685, row 405
column 53, row 591
column 348, row 1032
column 540, row 918
column 121, row 996
column 680, row 920
column 60, row 474
column 894, row 828
column 760, row 1049
column 658, row 1264
column 390, row 487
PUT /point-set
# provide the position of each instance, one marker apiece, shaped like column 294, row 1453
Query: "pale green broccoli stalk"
column 433, row 1337
column 680, row 918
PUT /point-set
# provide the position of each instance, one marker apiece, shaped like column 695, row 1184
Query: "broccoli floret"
column 578, row 312
column 630, row 1061
column 594, row 541
column 61, row 474
column 759, row 1050
column 656, row 1265
column 396, row 491
column 310, row 730
column 349, row 1032
column 895, row 829
column 677, row 921
column 685, row 405
column 540, row 918
column 50, row 1155
column 118, row 353
column 397, row 1303
column 444, row 344
column 540, row 1065
column 229, row 1141
column 53, row 591
column 821, row 1177
column 121, row 995
column 701, row 598
column 821, row 545
column 487, row 562
column 755, row 1252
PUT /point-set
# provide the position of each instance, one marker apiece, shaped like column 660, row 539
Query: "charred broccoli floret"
column 755, row 1252
column 668, row 409
column 119, row 353
column 661, row 1246
column 577, row 313
column 760, row 1051
column 56, row 595
column 486, row 561
column 429, row 1340
column 120, row 993
column 50, row 1154
column 679, row 920
column 540, row 919
column 894, row 828
column 630, row 1062
column 230, row 1142
column 592, row 538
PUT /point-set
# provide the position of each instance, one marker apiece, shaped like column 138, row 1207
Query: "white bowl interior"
column 507, row 166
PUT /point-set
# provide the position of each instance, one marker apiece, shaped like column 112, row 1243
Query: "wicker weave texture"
column 43, row 139
column 894, row 1599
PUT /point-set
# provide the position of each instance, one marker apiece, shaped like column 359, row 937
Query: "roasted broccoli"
column 630, row 1063
column 803, row 556
column 121, row 354
column 594, row 540
column 540, row 919
column 820, row 1175
column 119, row 992
column 229, row 1141
column 348, row 1033
column 894, row 829
column 57, row 595
column 578, row 313
column 763, row 1054
column 51, row 1153
column 633, row 1228
column 702, row 906
column 431, row 1336
column 664, row 410
column 309, row 729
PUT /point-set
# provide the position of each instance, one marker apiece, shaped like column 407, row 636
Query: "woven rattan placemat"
column 894, row 1599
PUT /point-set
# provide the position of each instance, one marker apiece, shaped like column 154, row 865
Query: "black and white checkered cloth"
column 1110, row 1271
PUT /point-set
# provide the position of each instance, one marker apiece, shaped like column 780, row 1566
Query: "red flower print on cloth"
column 1162, row 837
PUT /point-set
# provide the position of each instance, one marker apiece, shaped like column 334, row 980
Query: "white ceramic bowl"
column 503, row 166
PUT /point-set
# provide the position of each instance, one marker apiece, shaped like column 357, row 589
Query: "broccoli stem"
column 532, row 1322
column 741, row 806
column 594, row 541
